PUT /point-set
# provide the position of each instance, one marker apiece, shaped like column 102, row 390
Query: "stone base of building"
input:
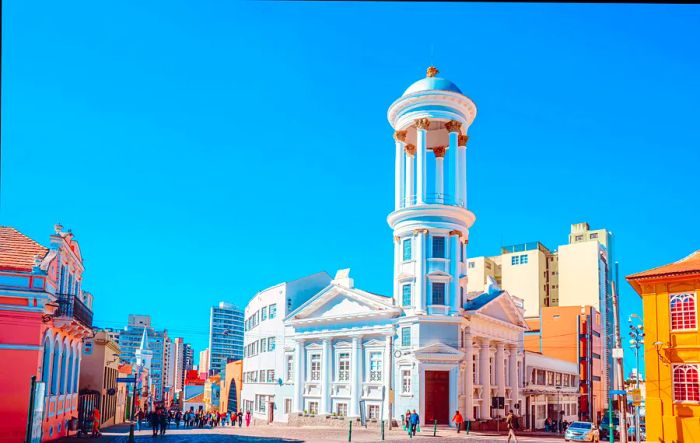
column 332, row 421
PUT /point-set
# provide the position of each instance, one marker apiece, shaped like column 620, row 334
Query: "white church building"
column 431, row 346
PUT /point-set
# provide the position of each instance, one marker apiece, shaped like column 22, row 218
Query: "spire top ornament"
column 432, row 71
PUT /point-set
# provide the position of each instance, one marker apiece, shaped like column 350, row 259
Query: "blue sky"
column 202, row 151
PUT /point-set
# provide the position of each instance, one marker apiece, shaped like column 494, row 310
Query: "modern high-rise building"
column 130, row 341
column 578, row 273
column 178, row 366
column 225, row 336
column 203, row 366
column 188, row 356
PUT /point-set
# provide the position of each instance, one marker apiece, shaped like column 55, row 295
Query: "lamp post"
column 636, row 341
column 558, row 388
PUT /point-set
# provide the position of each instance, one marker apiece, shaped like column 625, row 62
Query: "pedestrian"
column 164, row 417
column 510, row 424
column 415, row 420
column 247, row 418
column 240, row 418
column 139, row 417
column 178, row 417
column 407, row 420
column 154, row 420
column 95, row 422
column 458, row 419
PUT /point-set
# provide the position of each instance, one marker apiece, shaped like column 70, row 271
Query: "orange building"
column 573, row 333
column 231, row 389
column 671, row 349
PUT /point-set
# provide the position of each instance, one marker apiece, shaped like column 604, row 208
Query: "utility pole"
column 617, row 354
column 636, row 341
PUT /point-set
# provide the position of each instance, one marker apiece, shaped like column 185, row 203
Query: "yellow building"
column 231, row 388
column 672, row 349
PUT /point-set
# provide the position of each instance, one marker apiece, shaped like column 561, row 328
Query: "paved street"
column 119, row 434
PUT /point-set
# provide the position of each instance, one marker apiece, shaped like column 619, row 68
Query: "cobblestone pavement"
column 261, row 434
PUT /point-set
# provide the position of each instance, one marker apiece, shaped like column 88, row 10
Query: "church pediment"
column 503, row 308
column 336, row 304
column 439, row 351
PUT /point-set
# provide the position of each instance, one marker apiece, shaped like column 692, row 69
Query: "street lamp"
column 558, row 388
column 636, row 341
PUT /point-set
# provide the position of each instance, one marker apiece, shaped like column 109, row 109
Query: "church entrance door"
column 437, row 397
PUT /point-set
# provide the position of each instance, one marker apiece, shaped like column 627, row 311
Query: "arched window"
column 71, row 366
column 64, row 367
column 55, row 367
column 46, row 364
column 686, row 383
column 76, row 374
column 683, row 312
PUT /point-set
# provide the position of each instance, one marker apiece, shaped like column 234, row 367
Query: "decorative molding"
column 456, row 232
column 397, row 238
column 462, row 140
column 400, row 136
column 453, row 126
column 422, row 123
column 432, row 71
column 410, row 149
column 439, row 151
column 420, row 231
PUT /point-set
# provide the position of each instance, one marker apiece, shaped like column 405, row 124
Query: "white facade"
column 429, row 347
column 265, row 380
column 551, row 390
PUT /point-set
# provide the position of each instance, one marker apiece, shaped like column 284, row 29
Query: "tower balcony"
column 432, row 199
column 73, row 314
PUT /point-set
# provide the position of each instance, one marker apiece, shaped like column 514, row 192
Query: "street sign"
column 636, row 395
column 614, row 392
column 87, row 347
column 126, row 379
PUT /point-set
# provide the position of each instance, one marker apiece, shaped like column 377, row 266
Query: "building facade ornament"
column 432, row 71
column 422, row 123
column 439, row 151
column 400, row 136
column 463, row 139
column 456, row 232
column 410, row 149
column 453, row 126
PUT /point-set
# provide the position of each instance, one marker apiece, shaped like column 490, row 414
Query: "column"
column 299, row 375
column 356, row 377
column 397, row 269
column 409, row 188
column 453, row 128
column 462, row 165
column 500, row 370
column 326, row 365
column 400, row 138
column 387, row 375
column 513, row 375
column 419, row 287
column 422, row 125
column 485, row 377
column 469, row 380
column 454, row 272
column 439, row 152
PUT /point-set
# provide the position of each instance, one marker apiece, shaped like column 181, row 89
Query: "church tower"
column 430, row 219
column 144, row 354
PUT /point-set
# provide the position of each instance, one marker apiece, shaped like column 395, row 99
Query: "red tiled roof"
column 17, row 251
column 689, row 265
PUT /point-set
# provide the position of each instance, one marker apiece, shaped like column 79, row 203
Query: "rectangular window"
column 406, row 295
column 523, row 259
column 270, row 375
column 683, row 312
column 550, row 378
column 373, row 412
column 438, row 293
column 341, row 409
column 578, row 238
column 290, row 368
column 343, row 366
column 287, row 405
column 594, row 235
column 407, row 249
column 406, row 336
column 471, row 265
column 263, row 313
column 313, row 407
column 263, row 345
column 273, row 311
column 438, row 247
column 405, row 381
column 271, row 344
column 315, row 367
column 375, row 366
column 557, row 379
column 686, row 383
column 261, row 376
column 515, row 260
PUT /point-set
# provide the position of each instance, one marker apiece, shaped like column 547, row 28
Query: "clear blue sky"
column 202, row 151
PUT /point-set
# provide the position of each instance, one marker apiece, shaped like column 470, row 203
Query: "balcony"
column 70, row 307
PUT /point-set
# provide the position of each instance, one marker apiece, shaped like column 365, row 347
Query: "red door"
column 437, row 397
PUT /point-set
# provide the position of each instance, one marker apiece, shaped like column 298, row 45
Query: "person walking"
column 415, row 421
column 164, row 416
column 178, row 417
column 247, row 418
column 240, row 418
column 154, row 420
column 458, row 419
column 95, row 422
column 510, row 424
column 139, row 417
column 407, row 420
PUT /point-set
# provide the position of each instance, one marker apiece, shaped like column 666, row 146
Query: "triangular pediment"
column 438, row 351
column 503, row 308
column 337, row 303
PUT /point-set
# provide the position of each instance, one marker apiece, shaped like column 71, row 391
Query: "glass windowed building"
column 225, row 336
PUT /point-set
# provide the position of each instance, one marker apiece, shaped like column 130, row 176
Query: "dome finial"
column 432, row 71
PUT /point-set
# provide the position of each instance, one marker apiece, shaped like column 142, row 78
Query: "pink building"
column 44, row 317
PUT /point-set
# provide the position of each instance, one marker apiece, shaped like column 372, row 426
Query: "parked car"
column 605, row 427
column 582, row 431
